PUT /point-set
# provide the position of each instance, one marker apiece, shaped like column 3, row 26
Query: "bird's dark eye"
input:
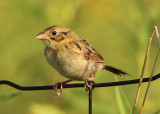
column 54, row 33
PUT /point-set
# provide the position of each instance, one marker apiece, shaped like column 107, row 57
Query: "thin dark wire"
column 90, row 97
column 50, row 87
column 93, row 85
column 90, row 101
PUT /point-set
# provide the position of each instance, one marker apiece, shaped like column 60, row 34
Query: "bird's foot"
column 58, row 92
column 88, row 85
column 59, row 85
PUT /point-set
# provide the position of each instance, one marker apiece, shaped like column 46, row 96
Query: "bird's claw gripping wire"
column 88, row 85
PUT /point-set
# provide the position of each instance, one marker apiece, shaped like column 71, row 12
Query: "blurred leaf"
column 122, row 102
column 6, row 97
column 157, row 112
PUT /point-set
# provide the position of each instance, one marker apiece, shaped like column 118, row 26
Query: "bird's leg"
column 60, row 84
column 88, row 83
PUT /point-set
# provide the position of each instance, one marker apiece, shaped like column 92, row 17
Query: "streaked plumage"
column 72, row 56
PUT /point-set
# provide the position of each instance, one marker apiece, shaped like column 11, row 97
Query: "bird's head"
column 56, row 35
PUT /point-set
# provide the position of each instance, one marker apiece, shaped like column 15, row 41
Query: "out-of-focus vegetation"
column 119, row 30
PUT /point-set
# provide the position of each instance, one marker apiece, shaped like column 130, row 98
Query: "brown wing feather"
column 90, row 53
column 95, row 56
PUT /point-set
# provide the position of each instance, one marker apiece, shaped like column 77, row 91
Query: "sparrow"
column 72, row 56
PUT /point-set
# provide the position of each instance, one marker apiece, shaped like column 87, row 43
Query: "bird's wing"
column 89, row 52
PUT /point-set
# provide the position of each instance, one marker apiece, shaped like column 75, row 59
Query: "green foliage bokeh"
column 119, row 30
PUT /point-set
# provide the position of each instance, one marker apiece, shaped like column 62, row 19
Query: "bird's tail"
column 115, row 70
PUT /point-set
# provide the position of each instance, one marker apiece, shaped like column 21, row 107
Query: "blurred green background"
column 119, row 30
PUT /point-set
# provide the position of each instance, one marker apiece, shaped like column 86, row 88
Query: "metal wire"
column 50, row 87
column 92, row 86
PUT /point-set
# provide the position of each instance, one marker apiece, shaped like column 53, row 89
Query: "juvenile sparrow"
column 72, row 56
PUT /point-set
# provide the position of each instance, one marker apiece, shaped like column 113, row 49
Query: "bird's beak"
column 42, row 36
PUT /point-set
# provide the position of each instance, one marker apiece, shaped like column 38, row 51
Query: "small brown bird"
column 72, row 56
